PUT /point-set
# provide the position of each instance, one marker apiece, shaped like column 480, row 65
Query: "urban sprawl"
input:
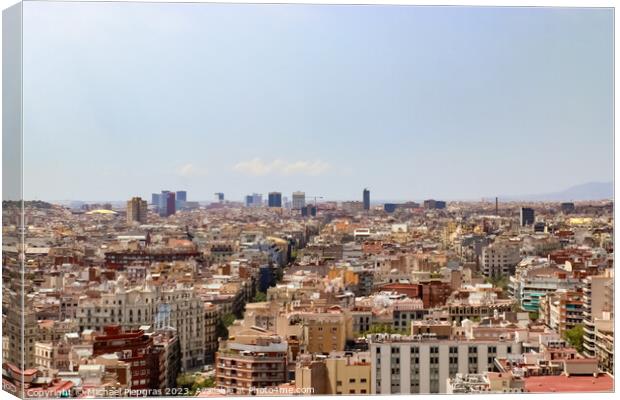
column 306, row 296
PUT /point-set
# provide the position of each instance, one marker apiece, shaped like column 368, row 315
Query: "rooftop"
column 569, row 384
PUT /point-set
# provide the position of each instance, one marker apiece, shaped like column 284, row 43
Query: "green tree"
column 186, row 381
column 384, row 328
column 259, row 297
column 221, row 328
column 574, row 337
column 194, row 382
column 498, row 282
column 228, row 319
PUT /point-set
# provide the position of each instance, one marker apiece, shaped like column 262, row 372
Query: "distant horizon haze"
column 591, row 191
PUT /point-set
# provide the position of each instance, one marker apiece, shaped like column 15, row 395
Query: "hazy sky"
column 412, row 102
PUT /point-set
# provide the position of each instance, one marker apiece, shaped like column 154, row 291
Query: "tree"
column 574, row 337
column 186, row 381
column 194, row 382
column 221, row 328
column 384, row 328
column 259, row 297
column 228, row 319
column 498, row 282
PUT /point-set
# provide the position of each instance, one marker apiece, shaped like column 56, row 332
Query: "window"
column 352, row 380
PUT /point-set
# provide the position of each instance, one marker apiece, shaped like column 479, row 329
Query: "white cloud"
column 257, row 167
column 189, row 170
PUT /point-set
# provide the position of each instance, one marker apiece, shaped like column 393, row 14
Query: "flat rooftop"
column 569, row 384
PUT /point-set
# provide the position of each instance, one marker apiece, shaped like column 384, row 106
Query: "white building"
column 177, row 307
column 500, row 259
column 423, row 364
column 299, row 200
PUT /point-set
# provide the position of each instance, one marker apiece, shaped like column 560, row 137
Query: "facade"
column 136, row 210
column 564, row 310
column 249, row 362
column 390, row 207
column 500, row 259
column 181, row 199
column 526, row 216
column 598, row 318
column 339, row 373
column 211, row 340
column 136, row 349
column 151, row 306
column 568, row 208
column 274, row 199
column 167, row 203
column 257, row 200
column 530, row 287
column 21, row 331
column 324, row 332
column 299, row 200
column 423, row 364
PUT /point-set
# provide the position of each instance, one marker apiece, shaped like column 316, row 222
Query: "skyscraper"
column 248, row 200
column 275, row 199
column 136, row 210
column 171, row 204
column 155, row 199
column 527, row 216
column 366, row 199
column 181, row 195
column 167, row 203
column 219, row 197
column 181, row 199
column 299, row 200
column 257, row 200
column 163, row 198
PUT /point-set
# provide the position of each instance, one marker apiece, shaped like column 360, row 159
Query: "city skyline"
column 151, row 96
column 591, row 191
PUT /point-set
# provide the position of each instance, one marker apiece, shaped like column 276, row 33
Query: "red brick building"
column 135, row 348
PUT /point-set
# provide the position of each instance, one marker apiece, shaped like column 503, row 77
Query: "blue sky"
column 124, row 99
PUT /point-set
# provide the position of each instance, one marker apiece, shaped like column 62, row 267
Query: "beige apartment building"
column 338, row 373
column 137, row 210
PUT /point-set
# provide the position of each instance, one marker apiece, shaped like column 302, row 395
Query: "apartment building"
column 500, row 259
column 562, row 310
column 598, row 314
column 530, row 286
column 338, row 373
column 250, row 361
column 324, row 332
column 423, row 363
column 136, row 210
column 150, row 305
column 136, row 349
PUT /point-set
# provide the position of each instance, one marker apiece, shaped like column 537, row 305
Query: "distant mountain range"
column 583, row 192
